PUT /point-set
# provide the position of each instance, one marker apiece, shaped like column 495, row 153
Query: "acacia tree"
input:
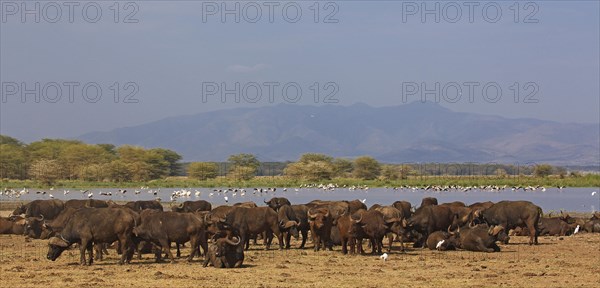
column 243, row 166
column 542, row 170
column 203, row 170
column 366, row 167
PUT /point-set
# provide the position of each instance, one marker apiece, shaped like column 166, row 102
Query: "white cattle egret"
column 384, row 257
column 439, row 244
column 576, row 230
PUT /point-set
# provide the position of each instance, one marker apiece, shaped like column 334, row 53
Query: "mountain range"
column 411, row 133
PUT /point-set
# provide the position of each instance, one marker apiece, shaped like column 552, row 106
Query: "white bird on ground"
column 384, row 257
column 439, row 244
column 576, row 230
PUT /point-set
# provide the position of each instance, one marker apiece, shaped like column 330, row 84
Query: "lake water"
column 570, row 199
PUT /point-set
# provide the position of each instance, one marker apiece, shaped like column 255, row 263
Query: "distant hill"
column 415, row 132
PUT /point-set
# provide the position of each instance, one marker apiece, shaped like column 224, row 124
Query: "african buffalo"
column 288, row 223
column 303, row 225
column 246, row 221
column 12, row 225
column 428, row 219
column 162, row 228
column 404, row 207
column 321, row 221
column 347, row 233
column 372, row 226
column 480, row 238
column 78, row 203
column 143, row 205
column 192, row 206
column 248, row 204
column 224, row 252
column 277, row 202
column 434, row 241
column 36, row 208
column 95, row 225
column 512, row 214
column 393, row 220
column 592, row 226
column 553, row 227
column 427, row 201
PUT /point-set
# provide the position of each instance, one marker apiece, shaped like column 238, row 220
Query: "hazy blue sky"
column 369, row 53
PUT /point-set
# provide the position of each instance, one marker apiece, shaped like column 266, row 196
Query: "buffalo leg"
column 82, row 250
column 304, row 236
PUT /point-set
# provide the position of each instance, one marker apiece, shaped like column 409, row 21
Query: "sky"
column 100, row 66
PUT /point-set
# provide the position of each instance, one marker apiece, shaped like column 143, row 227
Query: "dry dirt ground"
column 556, row 262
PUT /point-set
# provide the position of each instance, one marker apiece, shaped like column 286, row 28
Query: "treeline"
column 50, row 160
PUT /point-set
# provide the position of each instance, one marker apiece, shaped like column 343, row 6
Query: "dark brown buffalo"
column 393, row 220
column 248, row 204
column 12, row 225
column 37, row 208
column 553, row 227
column 40, row 228
column 321, row 221
column 162, row 228
column 78, row 203
column 347, row 233
column 252, row 221
column 277, row 202
column 512, row 214
column 288, row 223
column 335, row 208
column 434, row 239
column 480, row 238
column 192, row 206
column 462, row 214
column 592, row 226
column 225, row 252
column 428, row 201
column 404, row 207
column 95, row 225
column 372, row 226
column 214, row 216
column 303, row 225
column 355, row 205
column 481, row 205
column 428, row 219
column 143, row 205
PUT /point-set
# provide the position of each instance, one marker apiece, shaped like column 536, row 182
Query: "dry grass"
column 556, row 262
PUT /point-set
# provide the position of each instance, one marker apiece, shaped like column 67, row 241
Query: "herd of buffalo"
column 225, row 232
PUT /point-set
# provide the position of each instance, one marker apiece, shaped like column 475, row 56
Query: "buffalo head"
column 56, row 246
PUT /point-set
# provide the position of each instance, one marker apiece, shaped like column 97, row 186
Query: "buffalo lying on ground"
column 442, row 241
column 224, row 252
column 12, row 225
column 96, row 225
column 480, row 238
